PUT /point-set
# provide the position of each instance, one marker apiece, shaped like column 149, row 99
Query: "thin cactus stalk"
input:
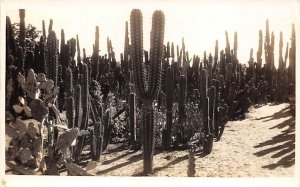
column 259, row 54
column 126, row 45
column 96, row 134
column 107, row 129
column 292, row 61
column 44, row 28
column 50, row 26
column 168, row 52
column 22, row 28
column 11, row 48
column 132, row 117
column 78, row 107
column 169, row 105
column 70, row 108
column 235, row 47
column 29, row 61
column 231, row 96
column 268, row 58
column 212, row 106
column 78, row 50
column 183, row 46
column 203, row 85
column 20, row 59
column 272, row 51
column 280, row 60
column 286, row 54
column 227, row 49
column 182, row 98
column 177, row 52
column 172, row 51
column 52, row 58
column 78, row 120
column 216, row 58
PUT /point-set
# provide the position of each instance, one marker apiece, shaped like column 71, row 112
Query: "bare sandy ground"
column 262, row 145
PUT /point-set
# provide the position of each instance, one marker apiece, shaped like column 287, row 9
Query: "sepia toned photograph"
column 184, row 89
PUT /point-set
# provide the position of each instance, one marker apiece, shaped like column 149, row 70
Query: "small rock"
column 91, row 165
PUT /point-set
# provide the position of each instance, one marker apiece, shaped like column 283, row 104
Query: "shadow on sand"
column 283, row 144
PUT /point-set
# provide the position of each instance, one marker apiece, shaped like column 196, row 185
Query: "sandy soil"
column 262, row 145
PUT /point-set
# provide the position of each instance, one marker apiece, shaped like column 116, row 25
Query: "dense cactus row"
column 194, row 99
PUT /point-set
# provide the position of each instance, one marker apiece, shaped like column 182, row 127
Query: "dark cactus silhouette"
column 147, row 95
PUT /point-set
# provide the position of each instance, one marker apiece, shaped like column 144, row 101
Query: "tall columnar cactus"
column 69, row 83
column 231, row 97
column 292, row 61
column 172, row 51
column 95, row 56
column 222, row 63
column 156, row 53
column 182, row 98
column 204, row 107
column 85, row 110
column 78, row 119
column 78, row 50
column 44, row 28
column 126, row 45
column 259, row 54
column 216, row 58
column 70, row 108
column 50, row 26
column 272, row 51
column 132, row 117
column 281, row 71
column 250, row 69
column 22, row 28
column 212, row 106
column 203, row 85
column 268, row 58
column 20, row 59
column 52, row 58
column 78, row 106
column 286, row 54
column 11, row 48
column 96, row 135
column 235, row 47
column 169, row 105
column 227, row 49
column 280, row 60
column 29, row 61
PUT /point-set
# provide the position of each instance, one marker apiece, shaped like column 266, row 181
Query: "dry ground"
column 262, row 145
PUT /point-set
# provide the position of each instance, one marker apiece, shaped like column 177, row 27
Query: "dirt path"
column 261, row 145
